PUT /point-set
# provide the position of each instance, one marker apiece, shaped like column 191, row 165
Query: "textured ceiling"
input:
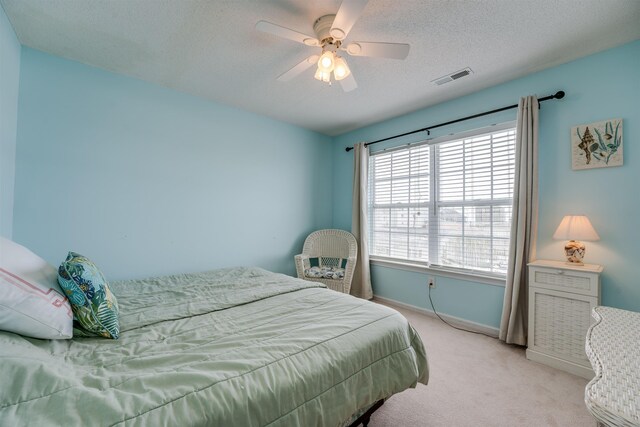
column 211, row 48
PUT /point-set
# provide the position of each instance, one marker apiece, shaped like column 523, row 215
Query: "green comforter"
column 232, row 347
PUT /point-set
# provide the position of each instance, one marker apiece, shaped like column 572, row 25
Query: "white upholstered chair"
column 336, row 252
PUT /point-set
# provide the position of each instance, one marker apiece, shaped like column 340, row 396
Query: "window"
column 446, row 203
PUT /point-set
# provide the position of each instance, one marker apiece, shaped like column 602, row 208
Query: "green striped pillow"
column 95, row 308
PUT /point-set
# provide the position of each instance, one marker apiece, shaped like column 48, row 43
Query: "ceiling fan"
column 331, row 31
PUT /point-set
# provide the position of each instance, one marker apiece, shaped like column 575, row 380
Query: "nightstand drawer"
column 564, row 280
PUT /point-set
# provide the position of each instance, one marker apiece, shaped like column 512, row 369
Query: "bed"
column 230, row 347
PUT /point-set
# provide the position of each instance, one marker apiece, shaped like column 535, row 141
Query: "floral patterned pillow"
column 325, row 272
column 95, row 308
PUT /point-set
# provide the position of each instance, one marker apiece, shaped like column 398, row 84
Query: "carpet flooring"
column 479, row 381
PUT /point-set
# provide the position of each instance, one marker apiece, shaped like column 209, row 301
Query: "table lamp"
column 575, row 228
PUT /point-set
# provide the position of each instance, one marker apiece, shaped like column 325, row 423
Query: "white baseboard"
column 563, row 365
column 463, row 323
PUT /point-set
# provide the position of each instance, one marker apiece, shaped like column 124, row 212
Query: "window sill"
column 440, row 271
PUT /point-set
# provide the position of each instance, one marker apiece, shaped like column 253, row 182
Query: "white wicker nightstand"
column 561, row 297
column 613, row 346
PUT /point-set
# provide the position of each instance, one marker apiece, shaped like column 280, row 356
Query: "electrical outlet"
column 432, row 282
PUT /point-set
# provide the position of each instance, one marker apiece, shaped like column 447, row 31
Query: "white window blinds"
column 475, row 190
column 446, row 204
column 399, row 196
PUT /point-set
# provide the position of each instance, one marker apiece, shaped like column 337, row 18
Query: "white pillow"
column 31, row 301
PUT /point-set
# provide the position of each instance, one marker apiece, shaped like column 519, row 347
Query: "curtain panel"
column 524, row 224
column 361, row 283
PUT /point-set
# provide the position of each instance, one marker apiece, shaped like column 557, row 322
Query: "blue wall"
column 108, row 165
column 9, row 85
column 601, row 86
column 149, row 181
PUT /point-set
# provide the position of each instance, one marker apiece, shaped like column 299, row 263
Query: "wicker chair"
column 331, row 248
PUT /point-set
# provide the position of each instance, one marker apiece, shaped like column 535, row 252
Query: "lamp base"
column 574, row 251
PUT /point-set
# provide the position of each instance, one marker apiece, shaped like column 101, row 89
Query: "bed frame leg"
column 366, row 417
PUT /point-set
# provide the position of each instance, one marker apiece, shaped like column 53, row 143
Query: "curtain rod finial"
column 559, row 95
column 348, row 149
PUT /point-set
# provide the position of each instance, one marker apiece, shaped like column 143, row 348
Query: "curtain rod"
column 557, row 95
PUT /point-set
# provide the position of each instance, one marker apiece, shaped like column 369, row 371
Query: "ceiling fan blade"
column 348, row 14
column 348, row 83
column 378, row 50
column 288, row 75
column 287, row 33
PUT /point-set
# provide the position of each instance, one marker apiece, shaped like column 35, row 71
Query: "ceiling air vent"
column 453, row 76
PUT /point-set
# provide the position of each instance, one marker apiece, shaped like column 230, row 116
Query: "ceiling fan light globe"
column 326, row 62
column 341, row 69
column 322, row 76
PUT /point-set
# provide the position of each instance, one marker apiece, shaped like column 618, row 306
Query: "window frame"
column 461, row 273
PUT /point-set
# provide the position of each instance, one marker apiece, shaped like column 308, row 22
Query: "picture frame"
column 597, row 145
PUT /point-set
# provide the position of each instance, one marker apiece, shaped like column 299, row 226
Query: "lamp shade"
column 576, row 227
